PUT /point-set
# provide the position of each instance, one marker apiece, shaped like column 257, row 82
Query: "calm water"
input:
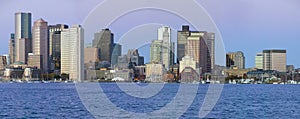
column 60, row 100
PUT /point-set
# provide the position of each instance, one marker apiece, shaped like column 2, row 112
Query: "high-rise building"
column 12, row 48
column 274, row 60
column 162, row 49
column 210, row 42
column 40, row 44
column 197, row 48
column 167, row 50
column 54, row 44
column 72, row 52
column 259, row 59
column 117, row 51
column 24, row 48
column 155, row 51
column 105, row 41
column 22, row 36
column 199, row 45
column 182, row 42
column 235, row 59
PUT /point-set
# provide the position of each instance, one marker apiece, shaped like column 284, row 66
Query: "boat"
column 233, row 82
column 207, row 81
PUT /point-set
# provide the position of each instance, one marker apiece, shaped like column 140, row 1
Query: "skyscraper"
column 182, row 42
column 117, row 51
column 210, row 42
column 22, row 36
column 259, row 61
column 155, row 51
column 54, row 44
column 105, row 41
column 197, row 48
column 197, row 44
column 12, row 48
column 162, row 49
column 164, row 35
column 40, row 42
column 274, row 60
column 235, row 59
column 72, row 52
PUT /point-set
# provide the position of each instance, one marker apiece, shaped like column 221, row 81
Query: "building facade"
column 72, row 52
column 12, row 48
column 182, row 42
column 54, row 44
column 40, row 43
column 274, row 60
column 91, row 55
column 162, row 49
column 259, row 61
column 35, row 60
column 167, row 48
column 187, row 61
column 105, row 41
column 155, row 72
column 3, row 62
column 117, row 51
column 199, row 45
column 132, row 57
column 155, row 51
column 23, row 43
column 235, row 59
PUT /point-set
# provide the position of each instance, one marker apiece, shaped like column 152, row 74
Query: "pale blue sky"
column 246, row 25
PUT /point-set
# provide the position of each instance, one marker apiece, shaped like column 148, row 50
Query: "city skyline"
column 237, row 29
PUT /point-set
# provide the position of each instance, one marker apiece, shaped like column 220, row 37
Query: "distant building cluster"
column 47, row 52
column 270, row 67
column 41, row 49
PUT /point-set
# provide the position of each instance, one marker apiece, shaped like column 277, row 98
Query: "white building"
column 259, row 59
column 72, row 52
column 187, row 61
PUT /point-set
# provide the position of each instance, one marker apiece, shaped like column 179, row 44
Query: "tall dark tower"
column 104, row 40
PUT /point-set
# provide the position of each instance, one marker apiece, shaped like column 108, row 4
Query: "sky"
column 245, row 25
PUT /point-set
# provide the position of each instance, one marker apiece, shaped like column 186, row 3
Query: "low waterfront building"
column 189, row 75
column 262, row 74
column 155, row 72
column 126, row 74
column 3, row 62
column 187, row 61
column 235, row 72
